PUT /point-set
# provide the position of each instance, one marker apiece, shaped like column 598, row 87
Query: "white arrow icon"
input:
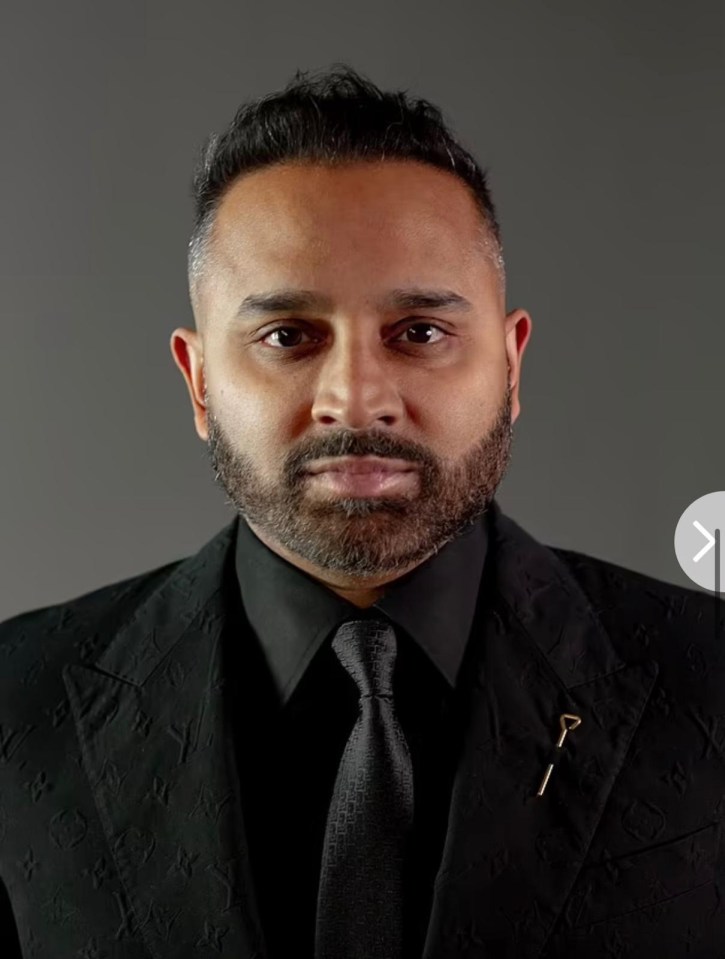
column 706, row 547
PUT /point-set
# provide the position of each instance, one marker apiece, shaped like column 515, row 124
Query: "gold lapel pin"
column 567, row 721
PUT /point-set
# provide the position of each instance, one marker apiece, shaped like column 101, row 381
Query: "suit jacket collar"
column 153, row 721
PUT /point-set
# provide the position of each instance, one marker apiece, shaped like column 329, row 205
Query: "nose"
column 356, row 388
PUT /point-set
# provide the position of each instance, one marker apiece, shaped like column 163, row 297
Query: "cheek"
column 263, row 425
column 477, row 386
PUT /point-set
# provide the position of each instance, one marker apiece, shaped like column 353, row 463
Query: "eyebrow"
column 289, row 300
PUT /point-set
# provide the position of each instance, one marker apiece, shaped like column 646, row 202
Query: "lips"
column 361, row 466
column 372, row 483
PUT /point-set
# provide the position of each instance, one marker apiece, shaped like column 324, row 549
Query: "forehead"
column 369, row 214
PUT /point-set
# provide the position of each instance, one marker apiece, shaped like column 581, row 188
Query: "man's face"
column 436, row 387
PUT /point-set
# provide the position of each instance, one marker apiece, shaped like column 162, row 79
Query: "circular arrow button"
column 697, row 540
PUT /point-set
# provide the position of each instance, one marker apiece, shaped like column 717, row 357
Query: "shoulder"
column 682, row 629
column 68, row 631
column 636, row 597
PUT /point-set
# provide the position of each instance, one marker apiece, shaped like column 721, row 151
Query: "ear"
column 188, row 354
column 518, row 330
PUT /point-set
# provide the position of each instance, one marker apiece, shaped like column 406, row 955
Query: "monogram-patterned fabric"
column 121, row 831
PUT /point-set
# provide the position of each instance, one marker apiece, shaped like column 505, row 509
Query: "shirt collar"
column 293, row 615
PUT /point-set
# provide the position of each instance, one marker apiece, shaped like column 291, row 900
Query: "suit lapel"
column 151, row 718
column 537, row 651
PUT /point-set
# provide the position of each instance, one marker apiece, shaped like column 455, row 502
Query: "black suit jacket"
column 121, row 826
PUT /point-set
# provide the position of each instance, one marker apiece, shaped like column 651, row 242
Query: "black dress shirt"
column 302, row 705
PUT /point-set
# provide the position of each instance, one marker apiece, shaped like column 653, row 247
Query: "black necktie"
column 360, row 899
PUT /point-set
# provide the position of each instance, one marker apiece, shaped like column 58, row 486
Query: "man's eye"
column 283, row 341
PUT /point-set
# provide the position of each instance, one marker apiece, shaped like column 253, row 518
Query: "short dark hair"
column 334, row 118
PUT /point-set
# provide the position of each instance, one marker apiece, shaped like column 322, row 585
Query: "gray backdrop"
column 602, row 127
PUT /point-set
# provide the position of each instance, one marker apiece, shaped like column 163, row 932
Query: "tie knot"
column 367, row 648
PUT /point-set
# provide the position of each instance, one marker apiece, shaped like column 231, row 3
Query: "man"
column 372, row 717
